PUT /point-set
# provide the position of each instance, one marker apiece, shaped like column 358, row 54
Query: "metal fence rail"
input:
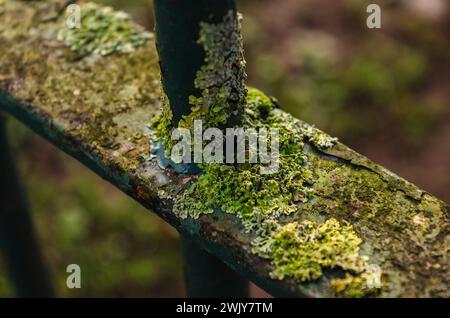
column 96, row 110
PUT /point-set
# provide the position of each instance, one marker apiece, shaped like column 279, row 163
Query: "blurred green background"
column 383, row 92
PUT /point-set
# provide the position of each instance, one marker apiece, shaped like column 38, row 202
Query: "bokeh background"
column 383, row 92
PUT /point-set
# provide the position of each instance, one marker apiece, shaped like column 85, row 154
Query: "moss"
column 16, row 17
column 99, row 109
column 103, row 31
column 397, row 228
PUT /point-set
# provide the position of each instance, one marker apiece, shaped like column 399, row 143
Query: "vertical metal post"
column 180, row 56
column 18, row 241
column 207, row 276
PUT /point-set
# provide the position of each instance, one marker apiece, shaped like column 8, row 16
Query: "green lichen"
column 122, row 83
column 260, row 201
column 221, row 79
column 318, row 137
column 103, row 31
column 403, row 229
column 297, row 250
column 385, row 217
column 256, row 100
column 161, row 124
column 241, row 189
column 302, row 250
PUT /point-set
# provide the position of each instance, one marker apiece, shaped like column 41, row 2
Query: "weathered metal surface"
column 97, row 109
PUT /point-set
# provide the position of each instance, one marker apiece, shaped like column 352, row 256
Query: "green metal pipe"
column 208, row 277
column 18, row 241
column 180, row 57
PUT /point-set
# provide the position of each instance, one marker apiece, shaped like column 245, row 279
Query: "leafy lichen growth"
column 161, row 124
column 318, row 137
column 241, row 189
column 354, row 286
column 298, row 250
column 221, row 79
column 302, row 250
column 258, row 101
column 103, row 31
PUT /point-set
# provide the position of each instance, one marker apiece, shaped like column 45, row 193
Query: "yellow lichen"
column 298, row 250
column 318, row 137
column 241, row 189
column 355, row 286
column 303, row 250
